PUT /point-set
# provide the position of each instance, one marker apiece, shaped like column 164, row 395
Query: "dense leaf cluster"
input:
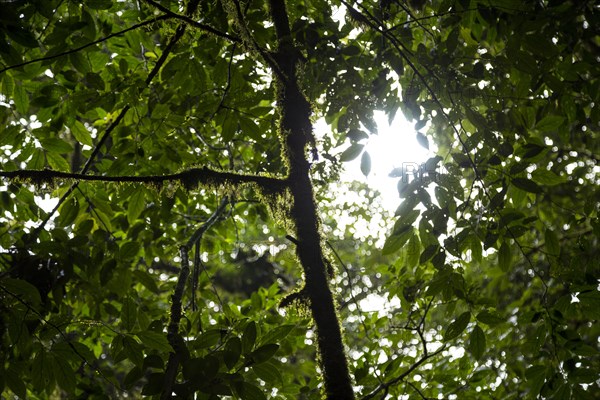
column 488, row 277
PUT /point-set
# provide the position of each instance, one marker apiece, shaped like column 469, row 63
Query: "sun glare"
column 395, row 146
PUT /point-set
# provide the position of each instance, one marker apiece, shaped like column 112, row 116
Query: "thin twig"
column 95, row 42
column 195, row 24
column 67, row 340
column 361, row 317
column 401, row 377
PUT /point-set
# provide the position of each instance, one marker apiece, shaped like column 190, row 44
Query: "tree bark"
column 296, row 132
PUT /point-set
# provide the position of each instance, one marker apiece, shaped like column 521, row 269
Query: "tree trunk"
column 296, row 132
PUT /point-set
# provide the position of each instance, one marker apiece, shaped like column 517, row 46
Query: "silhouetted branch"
column 195, row 24
column 173, row 335
column 392, row 382
column 197, row 235
column 95, row 42
column 175, row 340
column 168, row 14
column 189, row 178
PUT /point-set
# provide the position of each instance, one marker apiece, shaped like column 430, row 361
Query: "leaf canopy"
column 155, row 126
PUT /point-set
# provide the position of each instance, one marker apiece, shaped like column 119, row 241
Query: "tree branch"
column 197, row 235
column 195, row 24
column 95, row 42
column 296, row 132
column 191, row 7
column 173, row 329
column 234, row 9
column 168, row 14
column 173, row 335
column 189, row 178
column 401, row 377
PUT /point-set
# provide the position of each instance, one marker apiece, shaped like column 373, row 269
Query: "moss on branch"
column 190, row 178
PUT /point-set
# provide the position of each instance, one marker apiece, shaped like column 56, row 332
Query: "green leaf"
column 277, row 334
column 249, row 337
column 64, row 374
column 406, row 220
column 208, row 338
column 133, row 377
column 457, row 326
column 264, row 353
column 475, row 246
column 72, row 351
column 203, row 368
column 99, row 4
column 489, row 318
column 155, row 384
column 527, row 185
column 21, row 99
column 429, row 252
column 250, row 128
column 14, row 381
column 80, row 62
column 504, row 257
column 367, row 120
column 155, row 341
column 81, row 134
column 38, row 160
column 95, row 81
column 477, row 342
column 128, row 314
column 268, row 372
column 552, row 243
column 8, row 85
column 132, row 350
column 42, row 376
column 56, row 145
column 536, row 376
column 129, row 250
column 583, row 375
column 394, row 242
column 57, row 162
column 462, row 160
column 365, row 164
column 137, row 204
column 147, row 280
column 413, row 251
column 525, row 62
column 351, row 152
column 393, row 366
column 229, row 127
column 232, row 352
column 529, row 150
column 356, row 135
column 550, row 123
column 422, row 140
column 68, row 212
column 22, row 36
column 548, row 178
column 248, row 391
column 23, row 290
column 589, row 303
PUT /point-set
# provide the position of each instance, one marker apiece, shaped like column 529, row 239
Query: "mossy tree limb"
column 296, row 131
column 189, row 178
